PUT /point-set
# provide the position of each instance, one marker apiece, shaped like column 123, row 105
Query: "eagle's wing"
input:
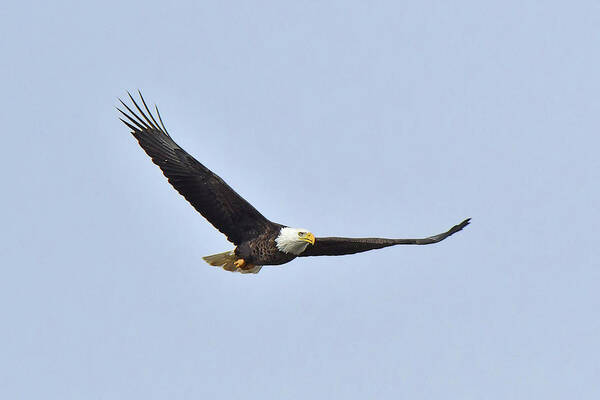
column 210, row 195
column 337, row 246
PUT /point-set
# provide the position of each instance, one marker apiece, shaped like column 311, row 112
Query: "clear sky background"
column 393, row 119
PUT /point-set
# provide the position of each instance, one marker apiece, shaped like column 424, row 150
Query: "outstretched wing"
column 210, row 195
column 337, row 246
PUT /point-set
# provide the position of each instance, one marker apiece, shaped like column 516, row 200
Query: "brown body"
column 262, row 250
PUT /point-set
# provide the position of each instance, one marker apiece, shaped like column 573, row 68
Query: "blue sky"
column 390, row 119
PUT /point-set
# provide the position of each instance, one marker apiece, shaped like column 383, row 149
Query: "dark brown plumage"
column 258, row 241
column 337, row 246
column 207, row 192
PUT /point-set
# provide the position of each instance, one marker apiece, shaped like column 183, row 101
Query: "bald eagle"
column 257, row 240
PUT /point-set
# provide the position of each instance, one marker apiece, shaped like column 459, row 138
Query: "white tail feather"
column 226, row 261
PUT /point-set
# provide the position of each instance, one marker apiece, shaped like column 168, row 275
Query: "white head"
column 294, row 240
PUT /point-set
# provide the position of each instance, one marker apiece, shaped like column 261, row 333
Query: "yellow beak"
column 309, row 237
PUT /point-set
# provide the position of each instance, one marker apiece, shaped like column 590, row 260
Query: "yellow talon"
column 239, row 263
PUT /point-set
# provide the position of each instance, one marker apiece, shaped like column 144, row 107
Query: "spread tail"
column 226, row 261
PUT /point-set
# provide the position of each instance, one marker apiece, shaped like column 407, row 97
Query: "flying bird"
column 258, row 241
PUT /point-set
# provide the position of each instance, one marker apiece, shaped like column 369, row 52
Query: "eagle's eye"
column 301, row 233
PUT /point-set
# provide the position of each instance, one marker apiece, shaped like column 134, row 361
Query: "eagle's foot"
column 243, row 267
